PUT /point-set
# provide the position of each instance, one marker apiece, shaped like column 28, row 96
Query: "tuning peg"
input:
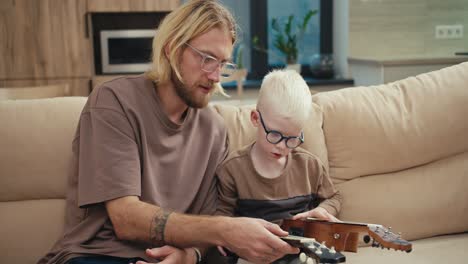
column 307, row 240
column 311, row 247
column 323, row 245
column 366, row 239
column 399, row 235
column 310, row 261
column 302, row 257
column 332, row 250
column 318, row 251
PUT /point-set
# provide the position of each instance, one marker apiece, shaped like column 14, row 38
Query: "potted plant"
column 286, row 36
column 239, row 61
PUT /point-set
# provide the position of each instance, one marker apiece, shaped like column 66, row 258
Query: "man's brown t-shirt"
column 125, row 145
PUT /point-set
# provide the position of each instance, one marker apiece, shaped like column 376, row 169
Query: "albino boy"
column 273, row 178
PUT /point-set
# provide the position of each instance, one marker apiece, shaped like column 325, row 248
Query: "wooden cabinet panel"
column 45, row 39
column 132, row 5
column 6, row 5
column 375, row 71
column 78, row 86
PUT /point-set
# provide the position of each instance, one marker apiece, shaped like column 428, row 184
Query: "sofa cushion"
column 36, row 137
column 29, row 229
column 241, row 131
column 420, row 202
column 386, row 128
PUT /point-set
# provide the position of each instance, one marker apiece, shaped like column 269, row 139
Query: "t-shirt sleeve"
column 109, row 164
column 227, row 192
column 330, row 196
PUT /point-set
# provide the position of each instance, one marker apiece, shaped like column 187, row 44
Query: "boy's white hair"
column 285, row 93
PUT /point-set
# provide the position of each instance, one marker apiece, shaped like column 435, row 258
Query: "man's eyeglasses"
column 275, row 137
column 210, row 63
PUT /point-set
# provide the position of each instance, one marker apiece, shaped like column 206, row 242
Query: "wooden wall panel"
column 45, row 39
column 132, row 5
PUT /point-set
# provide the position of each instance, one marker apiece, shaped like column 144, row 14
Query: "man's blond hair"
column 187, row 22
column 285, row 93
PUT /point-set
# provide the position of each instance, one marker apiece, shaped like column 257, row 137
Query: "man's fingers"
column 159, row 252
column 275, row 229
column 279, row 246
column 221, row 250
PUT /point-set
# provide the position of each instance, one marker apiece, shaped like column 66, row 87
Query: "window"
column 317, row 40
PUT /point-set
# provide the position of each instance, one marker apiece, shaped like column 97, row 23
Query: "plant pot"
column 295, row 67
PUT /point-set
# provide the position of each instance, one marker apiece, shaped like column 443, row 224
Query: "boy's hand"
column 319, row 213
column 171, row 255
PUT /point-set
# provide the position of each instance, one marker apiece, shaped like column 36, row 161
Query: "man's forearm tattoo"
column 157, row 227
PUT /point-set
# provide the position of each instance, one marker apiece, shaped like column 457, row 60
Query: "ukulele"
column 312, row 250
column 343, row 236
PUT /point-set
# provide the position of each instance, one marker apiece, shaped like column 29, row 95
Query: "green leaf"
column 275, row 25
column 307, row 17
column 288, row 26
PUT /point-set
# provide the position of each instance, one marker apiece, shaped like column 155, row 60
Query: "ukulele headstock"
column 385, row 238
column 311, row 249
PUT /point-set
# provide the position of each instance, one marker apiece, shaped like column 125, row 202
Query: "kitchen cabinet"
column 44, row 39
column 374, row 71
column 132, row 5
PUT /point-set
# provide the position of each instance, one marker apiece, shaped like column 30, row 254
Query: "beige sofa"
column 398, row 152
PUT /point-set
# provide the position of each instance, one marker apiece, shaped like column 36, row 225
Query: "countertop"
column 409, row 60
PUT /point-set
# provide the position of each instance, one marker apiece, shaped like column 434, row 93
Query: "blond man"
column 145, row 154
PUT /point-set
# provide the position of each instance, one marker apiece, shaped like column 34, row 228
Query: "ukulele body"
column 342, row 237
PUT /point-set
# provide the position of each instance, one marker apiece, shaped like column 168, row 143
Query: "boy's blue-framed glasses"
column 210, row 63
column 275, row 137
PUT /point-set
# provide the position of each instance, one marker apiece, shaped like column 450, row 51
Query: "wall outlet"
column 449, row 31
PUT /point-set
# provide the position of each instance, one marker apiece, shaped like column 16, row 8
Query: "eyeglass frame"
column 267, row 132
column 220, row 64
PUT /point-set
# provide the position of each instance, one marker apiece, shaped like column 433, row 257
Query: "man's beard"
column 188, row 96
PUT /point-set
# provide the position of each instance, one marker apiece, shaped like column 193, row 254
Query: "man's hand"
column 319, row 213
column 256, row 240
column 171, row 255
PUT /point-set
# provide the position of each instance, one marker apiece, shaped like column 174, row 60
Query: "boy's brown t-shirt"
column 125, row 145
column 304, row 184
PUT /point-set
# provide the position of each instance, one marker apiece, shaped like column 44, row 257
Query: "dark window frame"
column 259, row 28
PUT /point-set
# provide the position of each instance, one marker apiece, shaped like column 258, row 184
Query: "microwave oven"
column 126, row 51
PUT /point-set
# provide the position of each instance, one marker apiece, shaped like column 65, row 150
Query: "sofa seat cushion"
column 28, row 229
column 435, row 250
column 420, row 202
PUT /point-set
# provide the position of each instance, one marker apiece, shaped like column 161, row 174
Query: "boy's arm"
column 332, row 204
column 329, row 196
column 327, row 191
